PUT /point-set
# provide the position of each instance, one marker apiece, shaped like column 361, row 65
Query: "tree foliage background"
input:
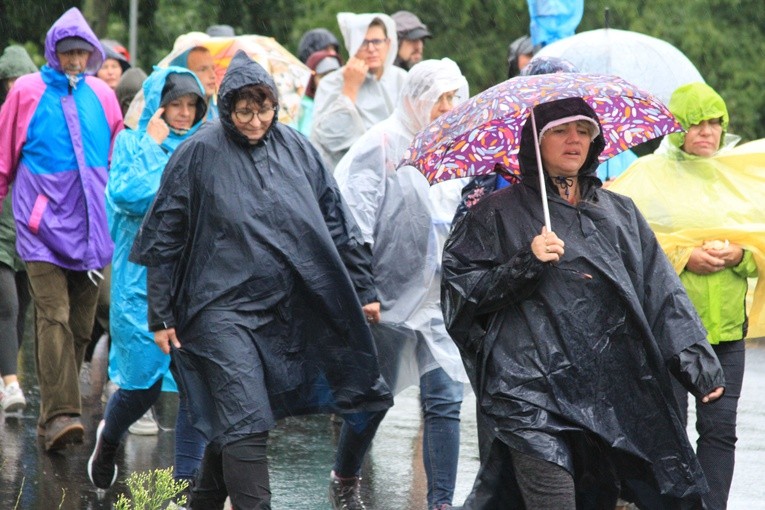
column 725, row 39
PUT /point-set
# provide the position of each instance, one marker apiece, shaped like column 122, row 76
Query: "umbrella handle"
column 542, row 185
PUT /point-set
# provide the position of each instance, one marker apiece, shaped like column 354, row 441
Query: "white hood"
column 354, row 29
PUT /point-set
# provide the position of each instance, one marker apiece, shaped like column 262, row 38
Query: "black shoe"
column 344, row 494
column 102, row 469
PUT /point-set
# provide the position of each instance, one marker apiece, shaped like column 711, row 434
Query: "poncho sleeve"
column 356, row 255
column 164, row 233
column 481, row 275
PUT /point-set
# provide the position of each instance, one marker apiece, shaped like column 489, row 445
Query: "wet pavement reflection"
column 301, row 451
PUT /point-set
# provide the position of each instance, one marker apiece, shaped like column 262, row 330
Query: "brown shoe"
column 63, row 430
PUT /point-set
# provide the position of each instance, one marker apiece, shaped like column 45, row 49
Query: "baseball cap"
column 73, row 43
column 409, row 26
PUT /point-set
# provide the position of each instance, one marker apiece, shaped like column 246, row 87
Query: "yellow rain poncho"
column 689, row 200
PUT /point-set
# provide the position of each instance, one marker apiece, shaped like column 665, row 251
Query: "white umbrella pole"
column 542, row 186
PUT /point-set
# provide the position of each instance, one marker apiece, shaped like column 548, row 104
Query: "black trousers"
column 716, row 425
column 238, row 470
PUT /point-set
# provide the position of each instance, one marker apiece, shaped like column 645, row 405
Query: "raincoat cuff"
column 747, row 267
column 159, row 326
column 698, row 369
column 525, row 265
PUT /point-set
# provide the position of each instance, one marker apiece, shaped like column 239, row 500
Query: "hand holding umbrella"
column 547, row 247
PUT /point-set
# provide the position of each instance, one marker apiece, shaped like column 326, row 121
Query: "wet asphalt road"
column 301, row 452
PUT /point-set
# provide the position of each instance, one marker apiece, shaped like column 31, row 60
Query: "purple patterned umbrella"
column 485, row 131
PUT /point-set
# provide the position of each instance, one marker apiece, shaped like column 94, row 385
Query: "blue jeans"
column 125, row 407
column 189, row 444
column 716, row 424
column 441, row 400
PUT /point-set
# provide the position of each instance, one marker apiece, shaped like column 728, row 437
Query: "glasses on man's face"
column 246, row 115
column 373, row 43
column 448, row 98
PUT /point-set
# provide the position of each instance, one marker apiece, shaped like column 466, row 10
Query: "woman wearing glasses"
column 256, row 277
column 361, row 93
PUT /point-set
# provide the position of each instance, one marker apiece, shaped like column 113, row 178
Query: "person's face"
column 523, row 60
column 73, row 62
column 180, row 113
column 444, row 104
column 703, row 139
column 564, row 148
column 201, row 63
column 331, row 48
column 374, row 49
column 8, row 83
column 110, row 72
column 410, row 51
column 254, row 128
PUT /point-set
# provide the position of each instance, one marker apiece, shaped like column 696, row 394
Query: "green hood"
column 694, row 103
column 16, row 62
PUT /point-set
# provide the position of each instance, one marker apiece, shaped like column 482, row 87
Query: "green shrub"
column 151, row 490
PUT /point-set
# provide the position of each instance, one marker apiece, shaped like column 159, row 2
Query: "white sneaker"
column 145, row 426
column 12, row 398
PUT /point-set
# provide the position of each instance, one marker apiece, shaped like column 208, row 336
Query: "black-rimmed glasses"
column 246, row 115
column 373, row 43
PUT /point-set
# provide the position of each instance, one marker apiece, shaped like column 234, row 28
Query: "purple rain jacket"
column 55, row 143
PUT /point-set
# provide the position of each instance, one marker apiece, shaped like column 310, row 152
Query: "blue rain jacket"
column 135, row 362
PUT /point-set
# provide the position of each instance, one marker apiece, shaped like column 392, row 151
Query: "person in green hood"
column 14, row 286
column 14, row 62
column 691, row 192
column 715, row 277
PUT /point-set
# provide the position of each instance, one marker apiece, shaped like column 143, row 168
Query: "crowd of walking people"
column 263, row 270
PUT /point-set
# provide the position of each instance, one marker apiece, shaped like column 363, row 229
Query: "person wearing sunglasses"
column 257, row 274
column 364, row 91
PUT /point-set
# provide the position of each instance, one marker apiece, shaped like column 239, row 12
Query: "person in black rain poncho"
column 570, row 339
column 254, row 268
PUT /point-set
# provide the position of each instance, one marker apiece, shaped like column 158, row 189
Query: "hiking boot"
column 62, row 430
column 345, row 493
column 12, row 398
column 146, row 425
column 102, row 468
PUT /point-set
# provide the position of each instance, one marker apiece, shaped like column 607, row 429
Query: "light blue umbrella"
column 652, row 64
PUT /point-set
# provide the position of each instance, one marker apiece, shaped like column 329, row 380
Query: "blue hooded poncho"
column 135, row 362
